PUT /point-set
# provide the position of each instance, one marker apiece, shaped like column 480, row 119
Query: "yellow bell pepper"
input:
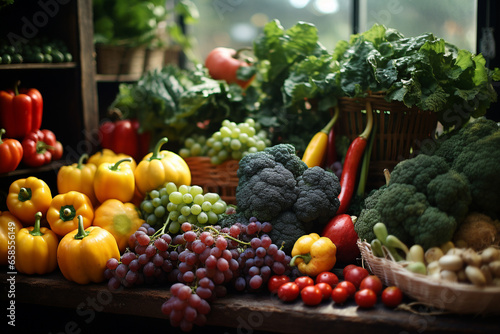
column 9, row 226
column 107, row 155
column 313, row 254
column 36, row 249
column 160, row 167
column 27, row 197
column 114, row 181
column 120, row 219
column 82, row 254
column 78, row 177
column 64, row 210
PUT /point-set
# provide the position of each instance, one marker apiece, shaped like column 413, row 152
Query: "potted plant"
column 126, row 32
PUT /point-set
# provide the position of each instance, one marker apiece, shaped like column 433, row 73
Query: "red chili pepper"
column 36, row 151
column 331, row 151
column 352, row 161
column 123, row 136
column 11, row 153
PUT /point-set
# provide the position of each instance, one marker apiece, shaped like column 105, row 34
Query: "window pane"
column 236, row 23
column 452, row 20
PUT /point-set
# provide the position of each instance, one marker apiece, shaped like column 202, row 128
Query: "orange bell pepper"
column 28, row 196
column 64, row 209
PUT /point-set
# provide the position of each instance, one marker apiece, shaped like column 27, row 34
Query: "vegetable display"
column 82, row 254
column 27, row 197
column 11, row 153
column 36, row 249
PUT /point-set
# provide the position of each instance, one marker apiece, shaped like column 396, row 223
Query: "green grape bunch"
column 232, row 141
column 176, row 205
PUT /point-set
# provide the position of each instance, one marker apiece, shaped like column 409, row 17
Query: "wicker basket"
column 400, row 131
column 220, row 179
column 455, row 297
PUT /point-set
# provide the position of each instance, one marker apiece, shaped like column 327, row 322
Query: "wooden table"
column 51, row 304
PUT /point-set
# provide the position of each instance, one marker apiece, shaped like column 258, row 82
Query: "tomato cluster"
column 357, row 284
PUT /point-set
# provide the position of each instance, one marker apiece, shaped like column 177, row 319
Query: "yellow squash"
column 78, row 177
column 82, row 254
column 118, row 218
column 27, row 197
column 9, row 226
column 36, row 249
column 64, row 210
column 160, row 167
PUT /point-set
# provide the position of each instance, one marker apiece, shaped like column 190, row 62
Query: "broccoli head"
column 433, row 228
column 365, row 222
column 318, row 192
column 275, row 185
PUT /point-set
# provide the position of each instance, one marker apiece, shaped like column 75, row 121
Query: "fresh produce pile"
column 21, row 111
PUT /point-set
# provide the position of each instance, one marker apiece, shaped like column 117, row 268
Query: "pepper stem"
column 156, row 151
column 36, row 229
column 306, row 257
column 369, row 121
column 24, row 194
column 67, row 213
column 330, row 124
column 83, row 157
column 2, row 132
column 116, row 165
column 81, row 231
column 16, row 87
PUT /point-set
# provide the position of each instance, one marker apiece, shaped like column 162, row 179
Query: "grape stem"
column 226, row 235
column 161, row 230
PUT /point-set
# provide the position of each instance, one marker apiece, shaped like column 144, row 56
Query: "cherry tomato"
column 276, row 281
column 392, row 296
column 371, row 282
column 356, row 275
column 340, row 295
column 348, row 267
column 365, row 298
column 304, row 281
column 288, row 292
column 326, row 289
column 327, row 277
column 311, row 295
column 348, row 286
column 223, row 64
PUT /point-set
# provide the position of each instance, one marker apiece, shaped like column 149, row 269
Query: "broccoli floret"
column 228, row 220
column 318, row 192
column 450, row 192
column 365, row 222
column 433, row 228
column 287, row 228
column 275, row 185
column 453, row 144
column 479, row 163
column 419, row 171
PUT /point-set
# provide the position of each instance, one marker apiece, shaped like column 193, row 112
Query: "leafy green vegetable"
column 423, row 71
column 177, row 103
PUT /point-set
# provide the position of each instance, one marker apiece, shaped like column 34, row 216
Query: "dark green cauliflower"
column 424, row 203
column 276, row 186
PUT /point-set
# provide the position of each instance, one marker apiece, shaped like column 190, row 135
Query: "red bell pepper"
column 20, row 111
column 123, row 136
column 11, row 153
column 37, row 151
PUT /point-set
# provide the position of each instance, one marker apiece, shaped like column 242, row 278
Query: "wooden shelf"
column 245, row 312
column 38, row 66
column 112, row 78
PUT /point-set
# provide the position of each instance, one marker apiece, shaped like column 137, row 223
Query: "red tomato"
column 304, row 281
column 356, row 275
column 326, row 290
column 288, row 292
column 276, row 281
column 340, row 295
column 371, row 282
column 348, row 267
column 365, row 298
column 392, row 296
column 327, row 277
column 223, row 64
column 311, row 295
column 348, row 286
